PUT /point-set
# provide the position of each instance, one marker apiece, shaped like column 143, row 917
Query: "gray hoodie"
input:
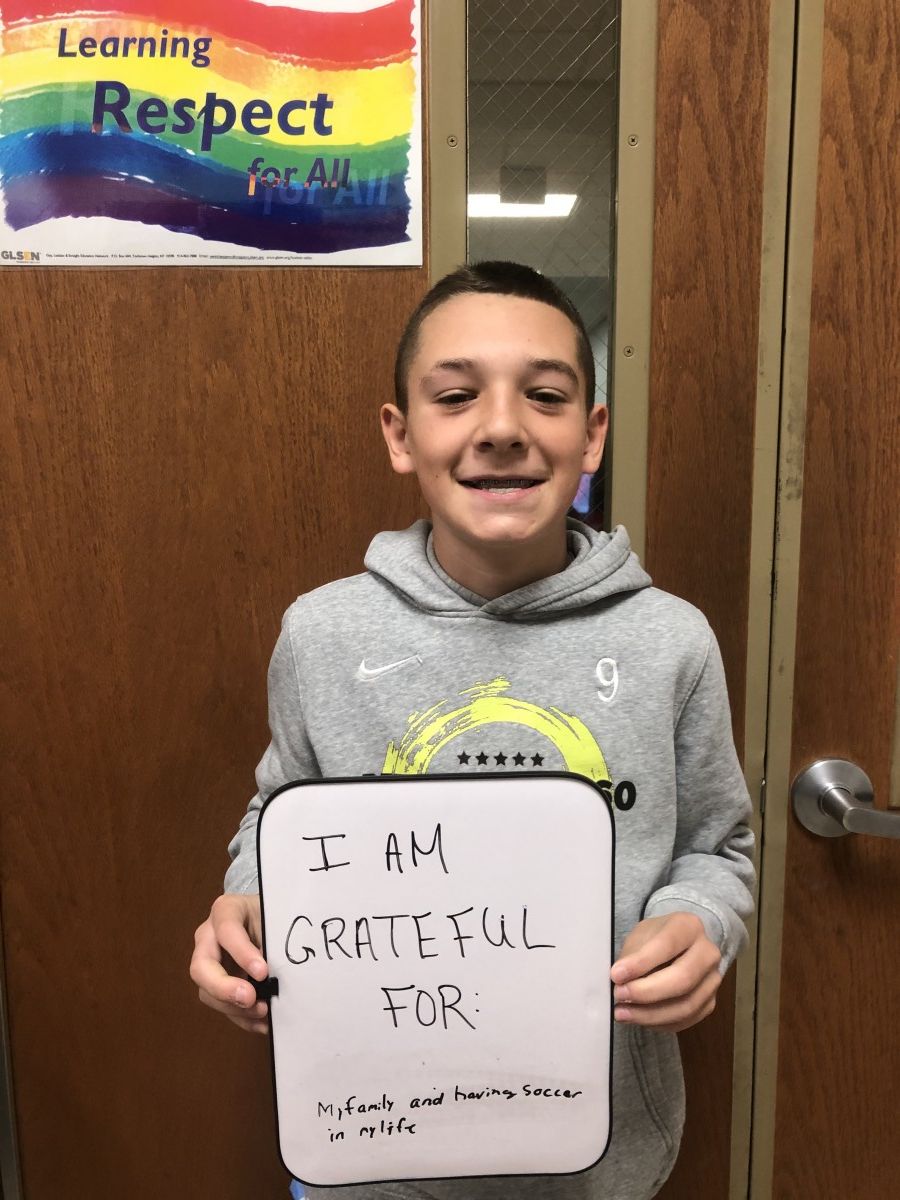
column 591, row 670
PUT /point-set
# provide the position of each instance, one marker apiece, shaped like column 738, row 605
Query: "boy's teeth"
column 503, row 485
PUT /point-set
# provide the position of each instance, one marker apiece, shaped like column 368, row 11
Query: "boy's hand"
column 226, row 950
column 668, row 973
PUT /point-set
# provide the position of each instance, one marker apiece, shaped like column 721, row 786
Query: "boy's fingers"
column 672, row 939
column 673, row 1015
column 217, row 988
column 224, row 930
column 254, row 1022
column 233, row 920
column 233, row 939
column 223, row 992
column 228, row 940
column 206, row 962
column 677, row 980
column 254, row 1026
column 243, row 1014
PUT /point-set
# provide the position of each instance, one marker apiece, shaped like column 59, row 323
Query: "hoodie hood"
column 600, row 565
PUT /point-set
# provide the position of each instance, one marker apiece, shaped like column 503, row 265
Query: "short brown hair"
column 499, row 279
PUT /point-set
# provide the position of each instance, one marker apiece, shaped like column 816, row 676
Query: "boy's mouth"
column 511, row 483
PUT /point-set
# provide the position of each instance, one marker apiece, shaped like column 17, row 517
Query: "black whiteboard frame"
column 445, row 776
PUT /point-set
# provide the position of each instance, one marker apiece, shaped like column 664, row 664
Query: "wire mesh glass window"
column 542, row 101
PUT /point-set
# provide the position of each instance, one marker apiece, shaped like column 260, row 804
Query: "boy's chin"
column 506, row 532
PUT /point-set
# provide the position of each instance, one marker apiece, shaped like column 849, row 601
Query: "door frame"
column 803, row 120
column 767, row 716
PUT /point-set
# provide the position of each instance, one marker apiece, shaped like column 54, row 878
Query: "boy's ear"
column 595, row 438
column 396, row 435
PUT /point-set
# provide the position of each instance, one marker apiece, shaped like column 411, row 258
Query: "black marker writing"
column 334, row 940
column 362, row 924
column 422, row 940
column 365, row 937
column 458, row 937
column 393, row 855
column 392, row 917
column 308, row 951
column 504, row 940
column 525, row 941
column 425, row 1006
column 322, row 839
column 435, row 844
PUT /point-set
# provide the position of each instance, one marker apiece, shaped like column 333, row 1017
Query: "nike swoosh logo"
column 364, row 672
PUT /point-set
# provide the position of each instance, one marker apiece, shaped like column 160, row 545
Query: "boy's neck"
column 493, row 571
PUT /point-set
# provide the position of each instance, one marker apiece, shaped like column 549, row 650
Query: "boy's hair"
column 499, row 279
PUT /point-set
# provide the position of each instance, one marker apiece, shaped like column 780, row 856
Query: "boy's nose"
column 500, row 423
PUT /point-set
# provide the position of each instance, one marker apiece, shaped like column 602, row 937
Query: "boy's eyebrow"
column 554, row 364
column 451, row 364
column 536, row 364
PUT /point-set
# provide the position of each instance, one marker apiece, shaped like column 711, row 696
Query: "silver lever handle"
column 834, row 797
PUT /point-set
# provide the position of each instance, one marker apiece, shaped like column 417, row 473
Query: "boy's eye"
column 547, row 397
column 452, row 398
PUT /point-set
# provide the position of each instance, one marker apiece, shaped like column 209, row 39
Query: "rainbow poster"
column 179, row 132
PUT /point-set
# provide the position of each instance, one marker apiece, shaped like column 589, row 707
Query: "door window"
column 542, row 103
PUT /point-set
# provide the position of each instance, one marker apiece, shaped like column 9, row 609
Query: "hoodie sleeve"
column 288, row 757
column 712, row 873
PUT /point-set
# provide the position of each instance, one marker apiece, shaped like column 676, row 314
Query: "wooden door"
column 838, row 1050
column 824, row 1091
column 184, row 452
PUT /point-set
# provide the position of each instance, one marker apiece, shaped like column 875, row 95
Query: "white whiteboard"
column 411, row 1039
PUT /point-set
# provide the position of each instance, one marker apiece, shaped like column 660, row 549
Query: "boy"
column 502, row 595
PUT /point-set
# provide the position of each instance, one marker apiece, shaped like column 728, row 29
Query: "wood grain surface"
column 184, row 452
column 710, row 143
column 839, row 1051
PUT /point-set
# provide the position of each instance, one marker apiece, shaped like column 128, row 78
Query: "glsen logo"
column 20, row 256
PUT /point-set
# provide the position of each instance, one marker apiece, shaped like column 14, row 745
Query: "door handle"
column 834, row 797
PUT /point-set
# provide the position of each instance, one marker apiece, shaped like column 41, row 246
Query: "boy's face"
column 496, row 394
